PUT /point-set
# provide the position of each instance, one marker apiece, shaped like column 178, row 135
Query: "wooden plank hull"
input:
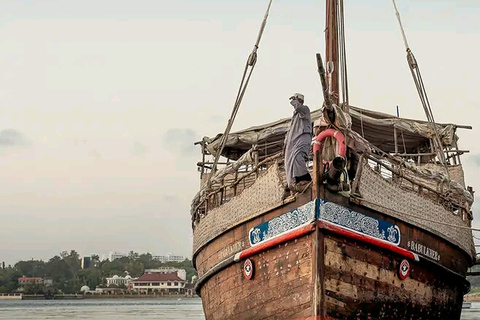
column 363, row 283
column 280, row 289
column 325, row 273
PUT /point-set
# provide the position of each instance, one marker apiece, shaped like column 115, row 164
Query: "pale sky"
column 101, row 102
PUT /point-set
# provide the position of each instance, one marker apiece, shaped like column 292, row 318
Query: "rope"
column 417, row 78
column 361, row 123
column 401, row 25
column 343, row 54
column 401, row 131
column 247, row 73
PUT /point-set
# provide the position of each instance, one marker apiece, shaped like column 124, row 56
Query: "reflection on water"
column 187, row 309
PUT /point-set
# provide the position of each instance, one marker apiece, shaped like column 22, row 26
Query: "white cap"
column 298, row 96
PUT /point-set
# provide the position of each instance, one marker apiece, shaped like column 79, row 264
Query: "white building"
column 115, row 255
column 158, row 283
column 119, row 281
column 169, row 258
column 181, row 273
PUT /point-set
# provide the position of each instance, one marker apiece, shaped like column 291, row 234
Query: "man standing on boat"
column 297, row 145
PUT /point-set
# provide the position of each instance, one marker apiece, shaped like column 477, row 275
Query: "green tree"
column 95, row 260
column 33, row 288
column 31, row 268
column 64, row 269
column 133, row 255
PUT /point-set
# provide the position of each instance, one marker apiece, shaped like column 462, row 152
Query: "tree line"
column 68, row 276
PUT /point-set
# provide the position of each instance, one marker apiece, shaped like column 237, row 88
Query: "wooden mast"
column 332, row 56
column 332, row 96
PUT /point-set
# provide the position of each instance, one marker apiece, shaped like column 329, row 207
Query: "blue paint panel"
column 327, row 211
column 359, row 222
column 283, row 223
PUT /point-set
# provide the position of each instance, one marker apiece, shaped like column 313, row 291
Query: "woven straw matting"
column 384, row 196
column 455, row 172
column 264, row 195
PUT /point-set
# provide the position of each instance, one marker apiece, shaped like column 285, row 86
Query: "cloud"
column 170, row 198
column 139, row 149
column 217, row 119
column 180, row 141
column 13, row 138
column 474, row 159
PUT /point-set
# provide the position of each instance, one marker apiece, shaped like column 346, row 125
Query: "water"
column 185, row 309
column 473, row 313
column 112, row 309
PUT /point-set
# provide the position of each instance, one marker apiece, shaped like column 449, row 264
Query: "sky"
column 101, row 102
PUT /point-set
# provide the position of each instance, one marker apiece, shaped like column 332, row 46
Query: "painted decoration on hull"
column 331, row 213
column 404, row 270
column 248, row 269
column 423, row 250
column 283, row 223
column 358, row 222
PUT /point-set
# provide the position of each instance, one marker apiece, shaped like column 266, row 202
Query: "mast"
column 332, row 57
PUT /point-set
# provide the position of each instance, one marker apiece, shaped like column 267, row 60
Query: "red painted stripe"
column 297, row 233
column 364, row 238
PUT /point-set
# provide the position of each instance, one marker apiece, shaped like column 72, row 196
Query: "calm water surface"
column 188, row 309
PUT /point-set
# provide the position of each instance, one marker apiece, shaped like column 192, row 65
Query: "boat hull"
column 307, row 265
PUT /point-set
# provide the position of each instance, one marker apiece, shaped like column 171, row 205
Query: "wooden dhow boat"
column 382, row 232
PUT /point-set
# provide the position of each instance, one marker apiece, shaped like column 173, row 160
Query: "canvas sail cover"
column 375, row 127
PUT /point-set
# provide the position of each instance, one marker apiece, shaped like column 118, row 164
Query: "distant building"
column 181, row 273
column 194, row 279
column 22, row 281
column 119, row 281
column 159, row 283
column 107, row 290
column 169, row 258
column 115, row 255
column 48, row 281
column 86, row 262
column 85, row 289
column 190, row 290
column 162, row 270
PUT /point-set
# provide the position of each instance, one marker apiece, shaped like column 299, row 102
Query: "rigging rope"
column 401, row 131
column 247, row 73
column 342, row 55
column 417, row 78
column 401, row 25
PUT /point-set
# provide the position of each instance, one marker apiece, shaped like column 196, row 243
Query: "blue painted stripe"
column 359, row 222
column 320, row 209
column 283, row 223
